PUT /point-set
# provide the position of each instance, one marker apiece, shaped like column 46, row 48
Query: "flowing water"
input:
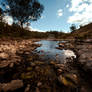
column 48, row 51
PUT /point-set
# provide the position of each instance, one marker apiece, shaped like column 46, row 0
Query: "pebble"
column 39, row 84
column 59, row 71
column 27, row 88
column 11, row 65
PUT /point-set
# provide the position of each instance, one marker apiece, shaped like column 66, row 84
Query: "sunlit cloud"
column 33, row 29
column 67, row 6
column 82, row 12
column 60, row 12
column 8, row 19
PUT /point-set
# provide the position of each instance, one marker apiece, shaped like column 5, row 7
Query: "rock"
column 39, row 84
column 37, row 68
column 84, row 51
column 4, row 55
column 39, row 63
column 29, row 68
column 36, row 63
column 11, row 65
column 37, row 89
column 0, row 87
column 59, row 71
column 27, row 88
column 13, row 85
column 28, row 75
column 60, row 66
column 4, row 63
column 52, row 62
column 33, row 64
column 68, row 80
column 30, row 58
column 11, row 52
column 61, row 45
column 27, row 52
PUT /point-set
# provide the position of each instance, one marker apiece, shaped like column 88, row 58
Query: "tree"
column 73, row 28
column 24, row 11
column 1, row 11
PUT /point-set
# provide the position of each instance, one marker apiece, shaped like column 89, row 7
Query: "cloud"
column 82, row 12
column 67, row 6
column 74, row 4
column 33, row 29
column 42, row 17
column 8, row 19
column 60, row 12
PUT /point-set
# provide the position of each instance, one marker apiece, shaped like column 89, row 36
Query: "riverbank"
column 83, row 62
column 10, row 51
column 23, row 71
column 14, row 55
column 83, row 49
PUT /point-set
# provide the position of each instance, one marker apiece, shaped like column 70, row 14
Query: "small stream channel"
column 47, row 51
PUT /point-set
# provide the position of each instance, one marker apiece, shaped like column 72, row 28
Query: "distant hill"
column 83, row 32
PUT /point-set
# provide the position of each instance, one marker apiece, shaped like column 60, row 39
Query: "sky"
column 59, row 15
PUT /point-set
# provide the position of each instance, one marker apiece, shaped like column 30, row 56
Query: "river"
column 47, row 51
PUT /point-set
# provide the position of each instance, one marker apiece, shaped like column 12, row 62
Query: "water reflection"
column 48, row 51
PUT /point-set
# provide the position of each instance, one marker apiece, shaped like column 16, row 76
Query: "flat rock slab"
column 13, row 85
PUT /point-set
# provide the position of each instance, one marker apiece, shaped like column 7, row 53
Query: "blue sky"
column 60, row 14
column 50, row 19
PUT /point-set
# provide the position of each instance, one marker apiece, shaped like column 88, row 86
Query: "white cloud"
column 33, row 29
column 67, row 6
column 60, row 12
column 8, row 19
column 75, row 4
column 42, row 17
column 82, row 12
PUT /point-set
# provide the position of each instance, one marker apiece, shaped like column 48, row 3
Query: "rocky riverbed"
column 83, row 62
column 23, row 71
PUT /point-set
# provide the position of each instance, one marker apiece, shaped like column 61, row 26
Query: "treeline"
column 16, row 31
